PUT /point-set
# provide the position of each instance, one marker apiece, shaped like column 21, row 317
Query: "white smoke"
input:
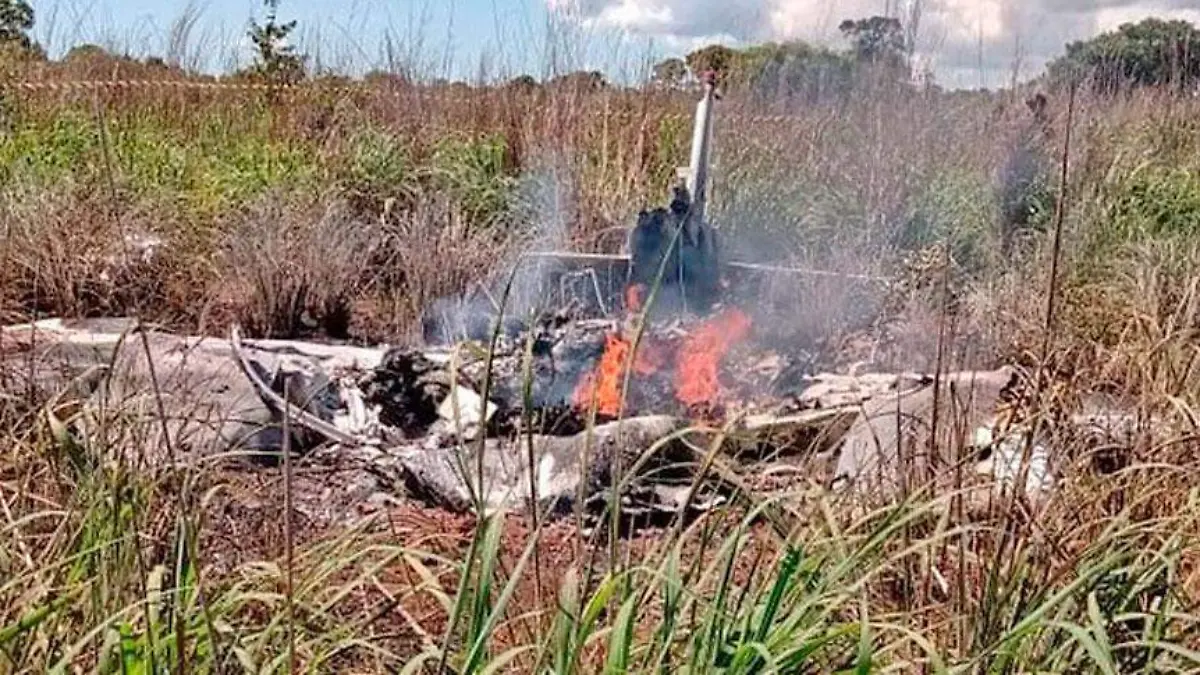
column 541, row 209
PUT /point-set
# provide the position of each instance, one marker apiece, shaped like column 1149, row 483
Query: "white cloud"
column 1112, row 17
column 650, row 17
column 968, row 41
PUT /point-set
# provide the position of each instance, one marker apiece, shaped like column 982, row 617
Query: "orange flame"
column 607, row 380
column 697, row 361
column 696, row 380
column 604, row 383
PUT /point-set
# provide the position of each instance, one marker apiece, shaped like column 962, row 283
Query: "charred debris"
column 665, row 313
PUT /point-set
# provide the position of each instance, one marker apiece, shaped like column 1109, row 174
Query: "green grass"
column 375, row 208
column 879, row 591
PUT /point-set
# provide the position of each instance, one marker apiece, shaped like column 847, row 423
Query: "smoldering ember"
column 625, row 375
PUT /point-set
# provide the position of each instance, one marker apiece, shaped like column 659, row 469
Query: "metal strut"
column 697, row 172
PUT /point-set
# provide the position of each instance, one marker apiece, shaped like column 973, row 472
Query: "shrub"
column 474, row 174
column 1157, row 202
column 957, row 209
column 1026, row 194
column 379, row 167
column 303, row 266
column 66, row 149
column 65, row 256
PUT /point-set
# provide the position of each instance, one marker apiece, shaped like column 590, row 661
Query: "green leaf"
column 1101, row 659
column 32, row 619
column 620, row 639
column 865, row 646
column 483, row 636
column 783, row 582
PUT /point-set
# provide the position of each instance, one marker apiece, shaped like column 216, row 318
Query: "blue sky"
column 437, row 38
column 965, row 43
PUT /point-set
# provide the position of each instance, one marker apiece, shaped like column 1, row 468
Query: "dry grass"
column 347, row 214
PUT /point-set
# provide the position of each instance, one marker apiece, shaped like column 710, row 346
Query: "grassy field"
column 343, row 214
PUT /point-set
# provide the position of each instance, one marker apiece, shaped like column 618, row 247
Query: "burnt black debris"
column 562, row 353
column 691, row 278
column 408, row 388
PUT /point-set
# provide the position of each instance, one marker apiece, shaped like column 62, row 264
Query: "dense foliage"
column 16, row 20
column 798, row 70
column 1153, row 52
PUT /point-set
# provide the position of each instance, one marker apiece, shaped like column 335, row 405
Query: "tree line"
column 276, row 60
column 877, row 49
column 1152, row 52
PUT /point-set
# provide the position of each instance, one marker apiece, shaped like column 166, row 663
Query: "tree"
column 1152, row 52
column 717, row 58
column 774, row 70
column 798, row 69
column 277, row 60
column 523, row 83
column 794, row 69
column 878, row 40
column 16, row 20
column 580, row 81
column 670, row 73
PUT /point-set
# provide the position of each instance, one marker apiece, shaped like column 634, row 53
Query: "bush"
column 379, row 167
column 474, row 173
column 65, row 149
column 51, row 265
column 304, row 268
column 203, row 172
column 956, row 209
column 1026, row 194
column 1157, row 202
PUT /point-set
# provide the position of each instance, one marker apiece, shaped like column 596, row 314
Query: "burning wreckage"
column 627, row 382
column 552, row 418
